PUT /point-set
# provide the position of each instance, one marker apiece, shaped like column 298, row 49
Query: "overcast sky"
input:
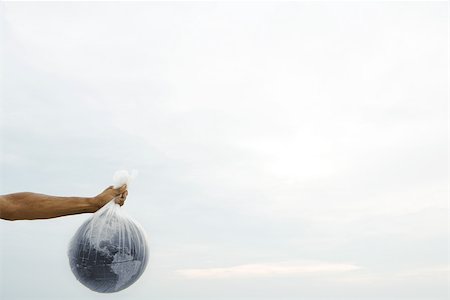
column 285, row 150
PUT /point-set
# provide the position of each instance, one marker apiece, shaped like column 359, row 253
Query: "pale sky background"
column 285, row 150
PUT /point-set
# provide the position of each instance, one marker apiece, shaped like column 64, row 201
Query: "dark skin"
column 32, row 206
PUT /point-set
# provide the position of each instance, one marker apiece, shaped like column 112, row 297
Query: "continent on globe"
column 125, row 267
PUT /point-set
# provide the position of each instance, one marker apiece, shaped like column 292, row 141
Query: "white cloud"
column 268, row 270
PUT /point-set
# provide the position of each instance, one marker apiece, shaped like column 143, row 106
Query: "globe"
column 108, row 253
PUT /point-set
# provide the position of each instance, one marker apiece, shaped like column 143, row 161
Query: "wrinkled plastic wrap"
column 109, row 251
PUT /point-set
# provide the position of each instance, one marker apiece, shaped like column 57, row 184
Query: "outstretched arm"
column 30, row 206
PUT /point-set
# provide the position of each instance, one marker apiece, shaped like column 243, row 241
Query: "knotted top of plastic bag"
column 123, row 177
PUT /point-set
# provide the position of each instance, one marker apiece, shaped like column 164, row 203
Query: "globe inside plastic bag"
column 109, row 251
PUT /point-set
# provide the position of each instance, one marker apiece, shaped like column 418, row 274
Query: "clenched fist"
column 119, row 195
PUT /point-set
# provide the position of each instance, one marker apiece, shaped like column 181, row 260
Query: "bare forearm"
column 30, row 206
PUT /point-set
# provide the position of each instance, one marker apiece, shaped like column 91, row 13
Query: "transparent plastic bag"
column 109, row 251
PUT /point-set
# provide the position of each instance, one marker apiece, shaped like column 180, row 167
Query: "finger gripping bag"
column 109, row 251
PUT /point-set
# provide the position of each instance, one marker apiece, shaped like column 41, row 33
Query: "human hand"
column 119, row 195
